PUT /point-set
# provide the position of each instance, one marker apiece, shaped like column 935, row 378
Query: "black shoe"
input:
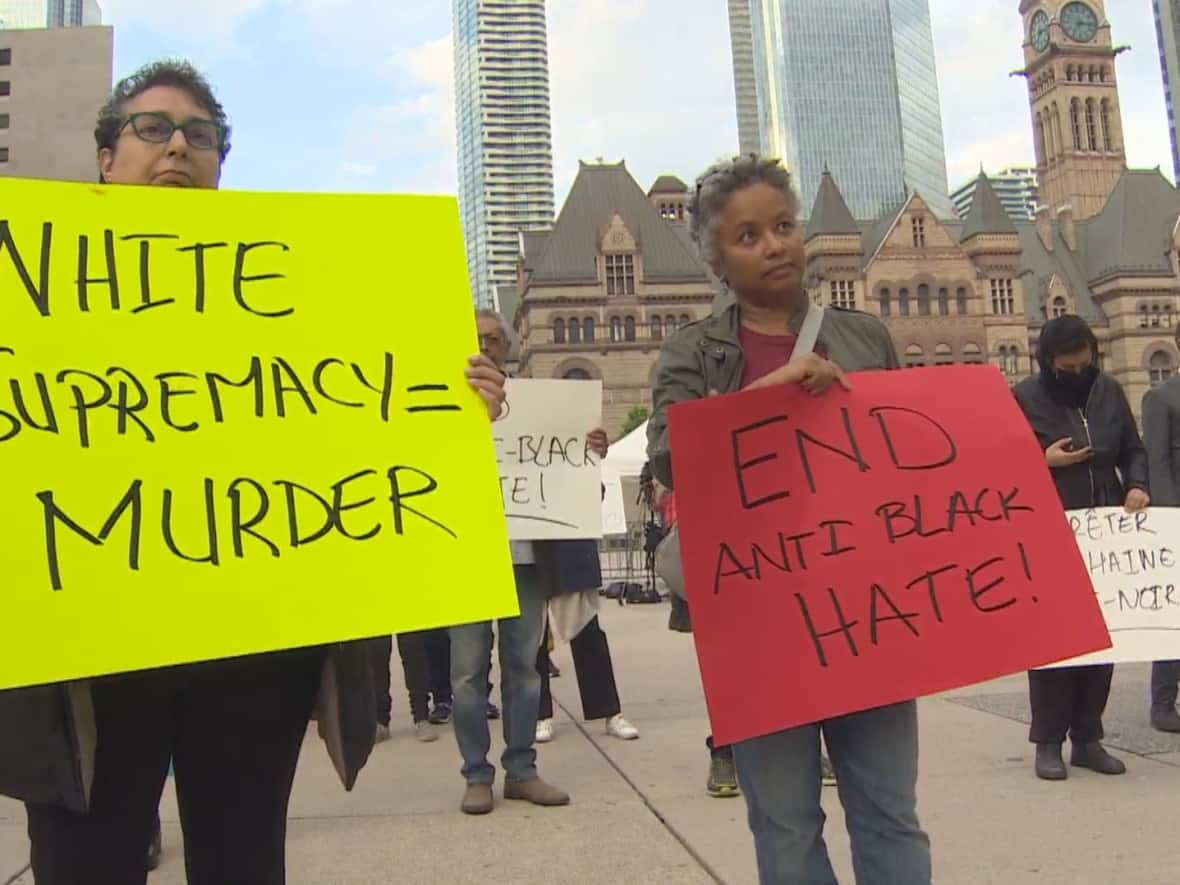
column 1050, row 766
column 441, row 714
column 1167, row 719
column 553, row 671
column 155, row 849
column 493, row 711
column 1093, row 756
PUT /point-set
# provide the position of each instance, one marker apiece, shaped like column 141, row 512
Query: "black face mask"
column 1075, row 386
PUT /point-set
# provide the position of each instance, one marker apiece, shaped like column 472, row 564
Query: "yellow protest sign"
column 235, row 422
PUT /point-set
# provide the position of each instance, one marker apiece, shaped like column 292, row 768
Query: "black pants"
column 233, row 730
column 427, row 677
column 1165, row 676
column 1068, row 700
column 594, row 670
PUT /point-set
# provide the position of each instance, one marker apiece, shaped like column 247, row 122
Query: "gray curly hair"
column 720, row 182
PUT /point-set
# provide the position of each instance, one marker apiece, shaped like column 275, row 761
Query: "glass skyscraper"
column 851, row 86
column 1167, row 30
column 504, row 138
column 49, row 13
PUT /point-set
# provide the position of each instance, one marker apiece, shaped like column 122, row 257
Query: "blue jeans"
column 520, row 685
column 875, row 755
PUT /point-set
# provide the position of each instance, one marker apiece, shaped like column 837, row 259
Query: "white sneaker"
column 619, row 727
column 544, row 731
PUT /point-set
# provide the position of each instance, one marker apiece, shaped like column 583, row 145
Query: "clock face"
column 1080, row 22
column 1040, row 31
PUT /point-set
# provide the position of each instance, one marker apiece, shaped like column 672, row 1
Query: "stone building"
column 1105, row 244
column 597, row 294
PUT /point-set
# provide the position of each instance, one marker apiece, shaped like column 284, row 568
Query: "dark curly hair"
column 177, row 73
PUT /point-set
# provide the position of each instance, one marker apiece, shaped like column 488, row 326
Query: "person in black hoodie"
column 1083, row 421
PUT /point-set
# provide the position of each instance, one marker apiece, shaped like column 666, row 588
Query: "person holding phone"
column 1084, row 423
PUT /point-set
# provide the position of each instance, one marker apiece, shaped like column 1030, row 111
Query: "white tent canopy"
column 627, row 456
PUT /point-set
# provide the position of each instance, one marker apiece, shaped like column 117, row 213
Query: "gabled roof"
column 1132, row 233
column 1039, row 268
column 532, row 243
column 668, row 184
column 830, row 215
column 987, row 215
column 878, row 232
column 599, row 192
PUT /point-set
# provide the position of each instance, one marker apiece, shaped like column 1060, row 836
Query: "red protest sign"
column 861, row 548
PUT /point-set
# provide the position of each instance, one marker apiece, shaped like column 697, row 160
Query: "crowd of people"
column 90, row 759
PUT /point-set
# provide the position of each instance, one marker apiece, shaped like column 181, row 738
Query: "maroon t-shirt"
column 764, row 353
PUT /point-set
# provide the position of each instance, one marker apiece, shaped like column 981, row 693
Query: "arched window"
column 1093, row 74
column 576, row 375
column 1075, row 123
column 657, row 328
column 559, row 331
column 915, row 357
column 943, row 356
column 685, row 319
column 972, row 353
column 1102, row 74
column 1069, row 73
column 886, row 303
column 944, row 302
column 1107, row 136
column 616, row 329
column 629, row 329
column 1167, row 316
column 961, row 301
column 575, row 331
column 1041, row 146
column 671, row 324
column 903, row 302
column 1155, row 316
column 1142, row 316
column 1159, row 367
column 923, row 300
column 1060, row 308
column 588, row 330
column 1057, row 139
column 1091, row 125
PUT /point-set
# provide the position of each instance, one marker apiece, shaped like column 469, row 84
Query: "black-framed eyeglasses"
column 204, row 135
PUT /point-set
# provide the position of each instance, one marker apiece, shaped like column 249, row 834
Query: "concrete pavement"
column 640, row 813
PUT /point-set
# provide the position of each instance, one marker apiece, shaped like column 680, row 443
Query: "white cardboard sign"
column 550, row 480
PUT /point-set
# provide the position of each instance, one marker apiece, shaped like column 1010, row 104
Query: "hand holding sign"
column 224, row 430
column 868, row 547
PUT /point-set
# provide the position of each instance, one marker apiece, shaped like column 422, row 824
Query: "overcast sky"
column 355, row 95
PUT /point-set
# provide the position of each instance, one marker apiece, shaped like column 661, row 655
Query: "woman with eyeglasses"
column 90, row 758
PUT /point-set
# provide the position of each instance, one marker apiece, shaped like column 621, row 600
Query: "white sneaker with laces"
column 544, row 731
column 619, row 727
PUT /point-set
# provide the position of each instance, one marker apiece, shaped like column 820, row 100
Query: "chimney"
column 1068, row 231
column 1044, row 219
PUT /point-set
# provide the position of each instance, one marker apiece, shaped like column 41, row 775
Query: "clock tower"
column 1073, row 93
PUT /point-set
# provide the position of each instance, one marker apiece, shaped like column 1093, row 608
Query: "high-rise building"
column 504, row 137
column 745, row 82
column 850, row 86
column 1015, row 188
column 1167, row 31
column 49, row 13
column 52, row 83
